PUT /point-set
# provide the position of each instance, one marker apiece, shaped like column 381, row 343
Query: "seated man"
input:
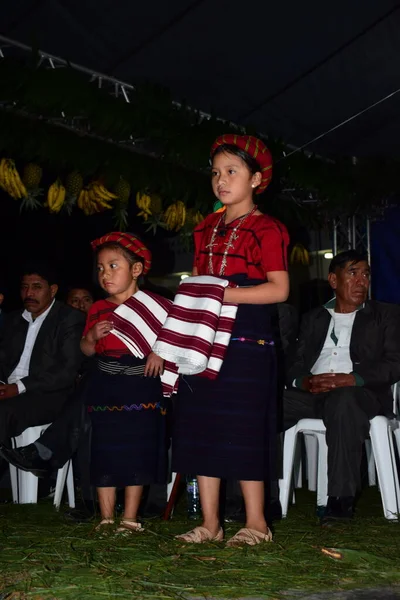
column 39, row 356
column 80, row 298
column 347, row 357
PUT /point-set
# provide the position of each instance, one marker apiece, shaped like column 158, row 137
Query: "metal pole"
column 368, row 228
column 348, row 232
column 353, row 233
column 334, row 241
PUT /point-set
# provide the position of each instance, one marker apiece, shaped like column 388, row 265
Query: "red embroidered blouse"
column 109, row 345
column 261, row 246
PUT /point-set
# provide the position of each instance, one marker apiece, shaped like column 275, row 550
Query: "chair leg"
column 285, row 483
column 71, row 486
column 371, row 463
column 322, row 477
column 396, row 433
column 28, row 487
column 382, row 446
column 14, row 483
column 311, row 443
column 60, row 484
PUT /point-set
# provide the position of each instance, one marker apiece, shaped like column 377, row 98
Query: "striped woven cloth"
column 137, row 323
column 191, row 334
column 197, row 331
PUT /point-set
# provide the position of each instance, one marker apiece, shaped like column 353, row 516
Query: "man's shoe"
column 27, row 459
column 338, row 510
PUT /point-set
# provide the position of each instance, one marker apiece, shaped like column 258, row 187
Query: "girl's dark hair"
column 251, row 162
column 131, row 257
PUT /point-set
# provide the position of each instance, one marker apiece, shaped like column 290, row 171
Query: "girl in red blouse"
column 123, row 394
column 226, row 428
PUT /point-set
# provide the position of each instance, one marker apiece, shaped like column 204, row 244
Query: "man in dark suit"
column 347, row 357
column 39, row 355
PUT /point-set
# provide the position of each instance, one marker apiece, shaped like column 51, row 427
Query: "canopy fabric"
column 290, row 69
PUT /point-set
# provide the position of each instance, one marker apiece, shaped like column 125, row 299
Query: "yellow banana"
column 60, row 199
column 51, row 195
column 102, row 192
column 2, row 173
column 139, row 200
column 143, row 201
column 16, row 179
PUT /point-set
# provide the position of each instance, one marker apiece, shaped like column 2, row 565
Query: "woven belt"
column 259, row 342
column 116, row 368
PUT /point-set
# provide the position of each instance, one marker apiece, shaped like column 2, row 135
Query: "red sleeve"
column 92, row 318
column 274, row 243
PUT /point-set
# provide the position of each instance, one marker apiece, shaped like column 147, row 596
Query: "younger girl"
column 226, row 428
column 123, row 393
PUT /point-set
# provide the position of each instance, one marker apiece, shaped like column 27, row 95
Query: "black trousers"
column 66, row 432
column 346, row 413
column 27, row 410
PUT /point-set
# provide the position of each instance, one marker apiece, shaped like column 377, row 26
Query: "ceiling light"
column 328, row 255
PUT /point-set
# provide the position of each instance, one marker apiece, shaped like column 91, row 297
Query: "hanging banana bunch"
column 31, row 178
column 55, row 197
column 143, row 201
column 95, row 198
column 299, row 255
column 10, row 180
column 175, row 216
column 151, row 210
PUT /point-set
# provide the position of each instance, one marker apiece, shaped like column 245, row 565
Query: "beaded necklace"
column 229, row 244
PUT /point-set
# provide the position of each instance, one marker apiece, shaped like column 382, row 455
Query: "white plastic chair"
column 25, row 485
column 396, row 410
column 383, row 451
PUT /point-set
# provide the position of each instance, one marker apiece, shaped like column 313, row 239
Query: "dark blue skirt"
column 227, row 427
column 128, row 419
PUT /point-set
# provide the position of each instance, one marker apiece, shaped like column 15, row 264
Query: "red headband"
column 128, row 241
column 255, row 148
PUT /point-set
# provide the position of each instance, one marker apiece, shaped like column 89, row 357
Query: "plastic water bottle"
column 193, row 498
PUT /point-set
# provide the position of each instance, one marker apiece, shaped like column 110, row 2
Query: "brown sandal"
column 200, row 535
column 129, row 526
column 251, row 537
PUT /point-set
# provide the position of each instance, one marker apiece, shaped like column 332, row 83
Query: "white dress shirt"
column 335, row 357
column 22, row 368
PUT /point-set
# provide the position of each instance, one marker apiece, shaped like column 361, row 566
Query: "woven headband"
column 128, row 241
column 255, row 148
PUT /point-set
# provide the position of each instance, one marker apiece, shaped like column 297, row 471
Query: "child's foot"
column 105, row 527
column 129, row 526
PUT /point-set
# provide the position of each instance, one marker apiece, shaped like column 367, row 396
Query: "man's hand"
column 154, row 365
column 8, row 391
column 326, row 382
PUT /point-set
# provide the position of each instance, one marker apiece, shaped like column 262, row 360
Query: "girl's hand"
column 154, row 365
column 99, row 331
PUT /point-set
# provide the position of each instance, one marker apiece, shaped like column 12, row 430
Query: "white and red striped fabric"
column 138, row 321
column 191, row 334
column 198, row 328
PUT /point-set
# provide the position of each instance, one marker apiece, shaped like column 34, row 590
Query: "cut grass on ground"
column 44, row 557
